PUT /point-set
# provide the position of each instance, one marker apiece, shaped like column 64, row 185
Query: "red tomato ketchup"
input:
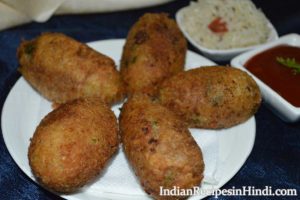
column 280, row 78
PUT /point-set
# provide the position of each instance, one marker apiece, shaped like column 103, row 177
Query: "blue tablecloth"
column 275, row 159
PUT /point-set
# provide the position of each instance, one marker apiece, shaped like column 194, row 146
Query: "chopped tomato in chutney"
column 279, row 77
column 218, row 26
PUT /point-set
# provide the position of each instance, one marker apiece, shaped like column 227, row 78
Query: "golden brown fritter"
column 63, row 69
column 159, row 147
column 154, row 50
column 72, row 144
column 211, row 97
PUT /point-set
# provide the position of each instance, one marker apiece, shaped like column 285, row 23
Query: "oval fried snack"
column 159, row 147
column 63, row 69
column 154, row 50
column 211, row 97
column 72, row 144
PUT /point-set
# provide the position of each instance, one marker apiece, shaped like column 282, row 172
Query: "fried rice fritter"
column 154, row 50
column 211, row 97
column 159, row 147
column 63, row 69
column 72, row 144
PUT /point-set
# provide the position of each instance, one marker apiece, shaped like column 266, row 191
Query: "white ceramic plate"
column 220, row 55
column 278, row 104
column 24, row 108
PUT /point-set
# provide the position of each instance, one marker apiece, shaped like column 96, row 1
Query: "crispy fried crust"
column 211, row 97
column 72, row 144
column 155, row 49
column 159, row 147
column 63, row 69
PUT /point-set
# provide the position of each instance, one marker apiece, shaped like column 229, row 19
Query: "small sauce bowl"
column 218, row 54
column 279, row 105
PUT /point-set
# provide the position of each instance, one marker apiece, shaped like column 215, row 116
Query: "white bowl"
column 216, row 54
column 278, row 105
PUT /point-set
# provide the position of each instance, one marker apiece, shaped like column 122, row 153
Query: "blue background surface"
column 275, row 159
